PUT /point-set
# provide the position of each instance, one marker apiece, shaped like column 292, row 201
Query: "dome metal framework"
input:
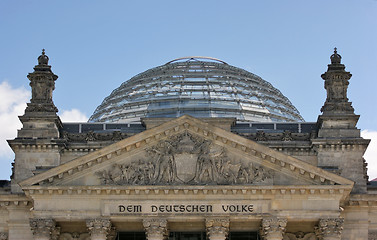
column 202, row 87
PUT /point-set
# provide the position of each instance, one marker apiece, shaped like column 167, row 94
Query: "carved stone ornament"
column 273, row 228
column 93, row 136
column 156, row 228
column 330, row 227
column 98, row 226
column 184, row 159
column 217, row 228
column 261, row 136
column 3, row 236
column 372, row 236
column 44, row 228
column 299, row 236
column 336, row 85
column 287, row 136
column 74, row 236
column 42, row 83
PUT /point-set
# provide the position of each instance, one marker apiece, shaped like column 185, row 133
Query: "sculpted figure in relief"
column 184, row 159
column 165, row 166
column 299, row 236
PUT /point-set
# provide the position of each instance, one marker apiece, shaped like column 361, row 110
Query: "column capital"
column 44, row 228
column 217, row 228
column 330, row 228
column 155, row 228
column 273, row 228
column 98, row 228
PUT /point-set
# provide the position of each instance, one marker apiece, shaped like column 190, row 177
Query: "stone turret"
column 338, row 143
column 338, row 118
column 40, row 119
column 37, row 145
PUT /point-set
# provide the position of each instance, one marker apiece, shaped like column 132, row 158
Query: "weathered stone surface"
column 155, row 229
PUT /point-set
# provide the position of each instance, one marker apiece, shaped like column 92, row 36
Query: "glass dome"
column 198, row 86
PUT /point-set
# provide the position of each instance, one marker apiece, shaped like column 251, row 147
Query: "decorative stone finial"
column 336, row 84
column 335, row 58
column 43, row 59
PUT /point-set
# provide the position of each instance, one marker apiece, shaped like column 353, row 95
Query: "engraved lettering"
column 237, row 208
column 130, row 208
column 154, row 208
column 121, row 208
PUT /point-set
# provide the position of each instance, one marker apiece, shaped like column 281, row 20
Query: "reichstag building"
column 192, row 149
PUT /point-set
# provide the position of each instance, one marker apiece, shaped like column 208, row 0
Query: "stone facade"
column 188, row 174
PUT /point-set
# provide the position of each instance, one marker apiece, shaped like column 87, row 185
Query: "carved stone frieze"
column 44, row 228
column 330, row 227
column 41, row 107
column 260, row 136
column 156, row 228
column 3, row 236
column 98, row 227
column 299, row 236
column 93, row 136
column 184, row 159
column 273, row 228
column 217, row 228
column 285, row 136
column 74, row 236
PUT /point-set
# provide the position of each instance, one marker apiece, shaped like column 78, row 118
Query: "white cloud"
column 73, row 115
column 12, row 104
column 371, row 153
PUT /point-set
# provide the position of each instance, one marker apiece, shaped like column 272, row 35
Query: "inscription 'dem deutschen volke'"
column 186, row 208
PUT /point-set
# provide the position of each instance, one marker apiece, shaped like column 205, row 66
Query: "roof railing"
column 196, row 58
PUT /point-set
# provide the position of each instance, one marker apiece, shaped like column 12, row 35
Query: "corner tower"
column 338, row 118
column 40, row 119
column 338, row 143
column 37, row 144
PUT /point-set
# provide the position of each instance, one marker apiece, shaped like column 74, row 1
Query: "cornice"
column 14, row 200
column 363, row 200
column 190, row 190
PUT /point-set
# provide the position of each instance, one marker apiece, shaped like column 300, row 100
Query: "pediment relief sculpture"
column 185, row 151
column 185, row 159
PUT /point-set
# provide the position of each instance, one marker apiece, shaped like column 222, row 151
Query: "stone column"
column 99, row 228
column 3, row 236
column 217, row 229
column 44, row 229
column 330, row 228
column 273, row 228
column 156, row 229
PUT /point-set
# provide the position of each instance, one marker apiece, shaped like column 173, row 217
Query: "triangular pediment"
column 185, row 151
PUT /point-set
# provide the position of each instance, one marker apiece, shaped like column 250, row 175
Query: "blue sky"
column 94, row 46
